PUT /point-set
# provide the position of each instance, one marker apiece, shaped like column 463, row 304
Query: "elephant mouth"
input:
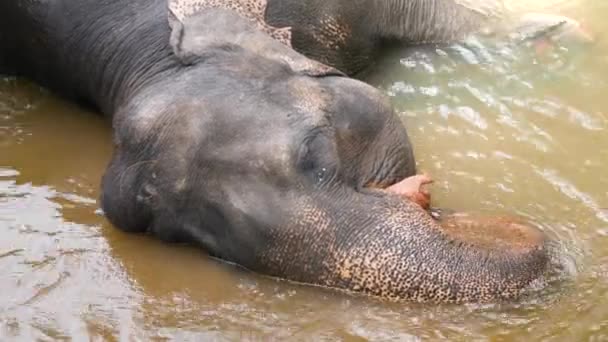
column 489, row 233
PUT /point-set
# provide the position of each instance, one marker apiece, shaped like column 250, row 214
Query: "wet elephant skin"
column 230, row 140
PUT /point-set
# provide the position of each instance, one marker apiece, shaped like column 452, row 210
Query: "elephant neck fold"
column 96, row 55
column 114, row 58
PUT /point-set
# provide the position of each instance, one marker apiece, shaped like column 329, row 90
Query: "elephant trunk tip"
column 506, row 255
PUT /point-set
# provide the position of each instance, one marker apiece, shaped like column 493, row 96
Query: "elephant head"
column 265, row 158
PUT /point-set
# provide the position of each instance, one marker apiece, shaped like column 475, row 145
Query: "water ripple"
column 570, row 190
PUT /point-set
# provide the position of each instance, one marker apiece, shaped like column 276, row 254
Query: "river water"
column 501, row 129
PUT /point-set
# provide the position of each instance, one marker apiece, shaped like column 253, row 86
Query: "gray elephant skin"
column 349, row 34
column 228, row 139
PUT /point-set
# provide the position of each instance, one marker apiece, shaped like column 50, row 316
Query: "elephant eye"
column 317, row 158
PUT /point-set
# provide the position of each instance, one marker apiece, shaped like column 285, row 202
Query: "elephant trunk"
column 429, row 21
column 385, row 247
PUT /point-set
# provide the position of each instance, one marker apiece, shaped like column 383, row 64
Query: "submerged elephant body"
column 348, row 34
column 228, row 139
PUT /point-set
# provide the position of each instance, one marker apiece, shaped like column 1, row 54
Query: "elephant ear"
column 201, row 25
column 254, row 10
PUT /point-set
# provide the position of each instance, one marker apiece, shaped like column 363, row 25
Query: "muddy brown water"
column 501, row 131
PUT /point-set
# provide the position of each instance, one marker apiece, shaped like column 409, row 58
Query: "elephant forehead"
column 253, row 10
column 309, row 97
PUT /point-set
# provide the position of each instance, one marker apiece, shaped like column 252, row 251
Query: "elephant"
column 350, row 34
column 226, row 138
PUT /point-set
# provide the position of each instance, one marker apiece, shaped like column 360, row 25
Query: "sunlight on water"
column 501, row 128
column 505, row 129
